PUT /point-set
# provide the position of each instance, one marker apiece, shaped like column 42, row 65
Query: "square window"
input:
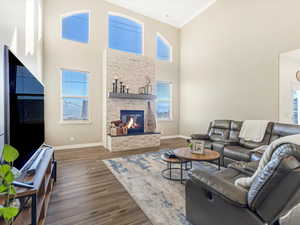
column 164, row 100
column 163, row 110
column 74, row 95
column 75, row 109
column 74, row 83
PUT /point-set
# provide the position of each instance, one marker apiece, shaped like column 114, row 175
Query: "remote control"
column 25, row 185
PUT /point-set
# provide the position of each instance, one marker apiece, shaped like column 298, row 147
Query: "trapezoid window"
column 125, row 34
column 75, row 27
column 163, row 49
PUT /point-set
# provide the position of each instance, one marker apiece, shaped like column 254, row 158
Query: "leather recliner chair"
column 220, row 133
column 241, row 151
column 223, row 136
column 213, row 199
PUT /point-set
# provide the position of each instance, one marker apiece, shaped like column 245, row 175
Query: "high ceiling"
column 173, row 12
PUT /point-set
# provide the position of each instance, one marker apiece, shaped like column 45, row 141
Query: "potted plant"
column 7, row 210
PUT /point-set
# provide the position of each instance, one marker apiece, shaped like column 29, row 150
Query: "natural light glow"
column 75, row 27
column 125, row 34
column 163, row 48
column 40, row 21
column 14, row 41
column 29, row 27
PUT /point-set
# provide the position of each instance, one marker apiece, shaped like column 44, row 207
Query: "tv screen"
column 24, row 116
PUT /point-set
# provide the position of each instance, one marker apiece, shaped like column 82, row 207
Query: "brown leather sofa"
column 223, row 136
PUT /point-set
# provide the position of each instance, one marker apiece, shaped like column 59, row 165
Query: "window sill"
column 74, row 122
column 165, row 120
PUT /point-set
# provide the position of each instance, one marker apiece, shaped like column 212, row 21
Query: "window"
column 74, row 95
column 76, row 27
column 296, row 107
column 163, row 49
column 164, row 100
column 125, row 34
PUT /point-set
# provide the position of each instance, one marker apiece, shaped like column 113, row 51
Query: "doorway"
column 289, row 87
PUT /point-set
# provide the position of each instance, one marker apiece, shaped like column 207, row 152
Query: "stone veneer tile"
column 132, row 70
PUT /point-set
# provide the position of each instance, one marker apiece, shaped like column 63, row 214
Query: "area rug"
column 162, row 201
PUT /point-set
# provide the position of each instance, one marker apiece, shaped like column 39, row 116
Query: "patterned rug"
column 163, row 201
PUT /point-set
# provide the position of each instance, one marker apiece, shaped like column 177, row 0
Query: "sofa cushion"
column 222, row 124
column 282, row 130
column 229, row 174
column 200, row 136
column 220, row 186
column 237, row 153
column 218, row 146
column 235, row 129
column 265, row 141
column 219, row 130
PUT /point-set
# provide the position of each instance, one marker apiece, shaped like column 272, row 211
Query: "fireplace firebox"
column 134, row 120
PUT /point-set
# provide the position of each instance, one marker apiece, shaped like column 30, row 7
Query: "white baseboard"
column 174, row 136
column 88, row 145
column 98, row 144
column 184, row 137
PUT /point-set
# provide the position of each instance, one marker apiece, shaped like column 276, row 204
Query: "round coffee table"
column 184, row 154
column 167, row 173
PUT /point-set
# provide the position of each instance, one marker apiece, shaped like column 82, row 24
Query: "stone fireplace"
column 131, row 109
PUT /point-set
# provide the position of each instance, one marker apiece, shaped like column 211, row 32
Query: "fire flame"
column 131, row 124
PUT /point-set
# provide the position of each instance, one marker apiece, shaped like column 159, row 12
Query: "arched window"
column 163, row 49
column 75, row 27
column 125, row 34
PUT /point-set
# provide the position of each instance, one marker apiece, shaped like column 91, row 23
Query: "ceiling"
column 174, row 12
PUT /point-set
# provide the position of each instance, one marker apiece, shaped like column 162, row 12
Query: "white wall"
column 18, row 33
column 88, row 57
column 289, row 65
column 230, row 61
column 13, row 33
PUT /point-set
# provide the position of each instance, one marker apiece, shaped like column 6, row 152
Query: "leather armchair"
column 220, row 132
column 213, row 199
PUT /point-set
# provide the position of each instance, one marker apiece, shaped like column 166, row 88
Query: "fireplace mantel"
column 131, row 96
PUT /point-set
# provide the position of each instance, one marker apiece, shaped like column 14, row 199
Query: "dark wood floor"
column 87, row 193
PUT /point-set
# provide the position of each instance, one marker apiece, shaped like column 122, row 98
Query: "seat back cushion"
column 235, row 128
column 282, row 130
column 265, row 141
column 276, row 186
column 219, row 130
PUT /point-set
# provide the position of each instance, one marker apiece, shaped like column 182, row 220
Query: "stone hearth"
column 132, row 70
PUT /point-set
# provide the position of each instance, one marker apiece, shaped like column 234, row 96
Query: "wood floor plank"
column 87, row 193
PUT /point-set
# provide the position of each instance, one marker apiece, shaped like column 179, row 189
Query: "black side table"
column 168, row 172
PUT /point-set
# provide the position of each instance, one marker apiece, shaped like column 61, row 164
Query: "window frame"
column 168, row 43
column 88, row 11
column 171, row 102
column 62, row 121
column 110, row 13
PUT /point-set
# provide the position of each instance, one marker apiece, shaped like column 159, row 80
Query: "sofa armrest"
column 221, row 187
column 247, row 168
column 200, row 137
column 229, row 142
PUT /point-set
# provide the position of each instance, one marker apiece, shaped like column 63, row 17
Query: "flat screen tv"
column 24, row 109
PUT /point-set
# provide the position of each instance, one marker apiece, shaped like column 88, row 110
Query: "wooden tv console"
column 35, row 201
